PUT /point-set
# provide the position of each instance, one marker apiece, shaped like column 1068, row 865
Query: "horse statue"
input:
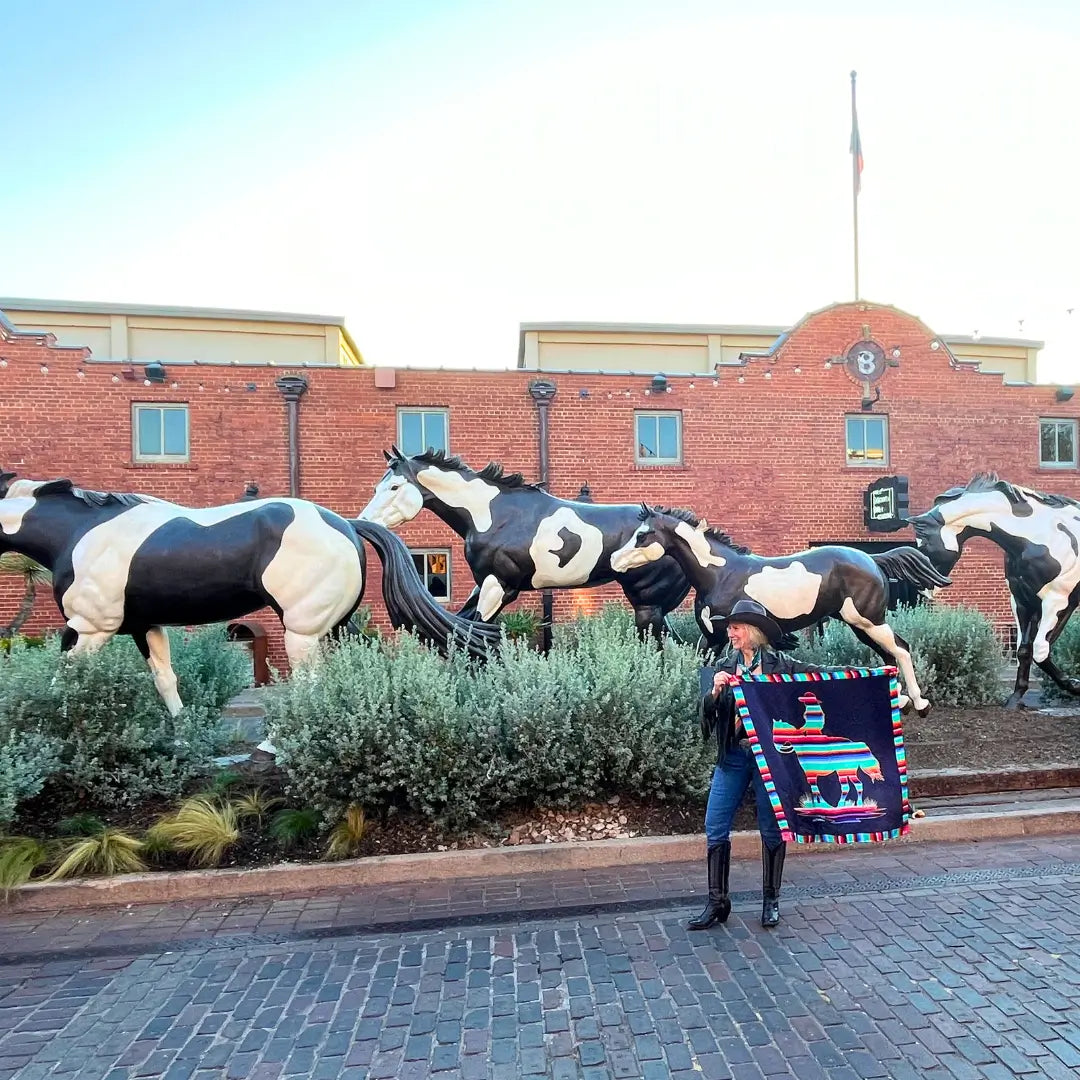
column 821, row 755
column 519, row 538
column 1040, row 535
column 133, row 564
column 799, row 590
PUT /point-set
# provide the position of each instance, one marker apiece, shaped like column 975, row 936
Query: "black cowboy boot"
column 772, row 873
column 719, row 906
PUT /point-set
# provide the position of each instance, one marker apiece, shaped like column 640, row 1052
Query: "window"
column 658, row 438
column 160, row 432
column 1057, row 444
column 868, row 440
column 419, row 429
column 434, row 570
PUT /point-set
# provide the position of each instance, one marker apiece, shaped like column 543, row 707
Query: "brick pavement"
column 951, row 960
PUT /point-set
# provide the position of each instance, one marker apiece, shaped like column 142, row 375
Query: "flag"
column 830, row 749
column 856, row 142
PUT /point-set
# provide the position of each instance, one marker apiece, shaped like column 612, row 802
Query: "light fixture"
column 647, row 392
column 690, row 387
column 80, row 374
column 742, row 378
column 226, row 390
column 716, row 382
column 828, row 365
column 1063, row 393
column 896, row 352
column 935, row 344
column 798, row 370
column 174, row 384
column 3, row 363
column 44, row 369
column 116, row 378
column 768, row 374
column 146, row 382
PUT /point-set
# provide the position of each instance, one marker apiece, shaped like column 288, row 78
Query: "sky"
column 440, row 172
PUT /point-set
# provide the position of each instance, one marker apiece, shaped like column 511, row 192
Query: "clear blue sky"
column 439, row 172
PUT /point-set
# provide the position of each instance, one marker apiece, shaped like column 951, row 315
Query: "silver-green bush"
column 1066, row 654
column 113, row 739
column 389, row 722
column 956, row 654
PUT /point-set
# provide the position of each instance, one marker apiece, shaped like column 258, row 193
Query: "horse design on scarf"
column 133, row 564
column 519, row 538
column 1040, row 535
column 798, row 590
column 821, row 755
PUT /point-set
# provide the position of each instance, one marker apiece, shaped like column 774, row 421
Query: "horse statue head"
column 439, row 481
column 5, row 482
column 676, row 531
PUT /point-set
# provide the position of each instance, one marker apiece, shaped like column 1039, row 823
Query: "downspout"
column 542, row 392
column 293, row 388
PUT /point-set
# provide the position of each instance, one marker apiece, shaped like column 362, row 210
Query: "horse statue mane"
column 91, row 498
column 492, row 471
column 990, row 481
column 692, row 519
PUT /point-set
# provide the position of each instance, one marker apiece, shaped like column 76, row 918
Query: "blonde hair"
column 754, row 633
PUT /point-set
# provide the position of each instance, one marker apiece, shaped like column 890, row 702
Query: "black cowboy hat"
column 753, row 614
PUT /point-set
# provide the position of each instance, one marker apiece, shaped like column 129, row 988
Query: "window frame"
column 887, row 450
column 449, row 572
column 422, row 411
column 1058, row 420
column 160, row 407
column 657, row 414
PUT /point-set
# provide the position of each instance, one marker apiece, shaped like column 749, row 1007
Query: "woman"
column 753, row 635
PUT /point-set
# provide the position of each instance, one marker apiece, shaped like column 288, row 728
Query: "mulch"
column 948, row 738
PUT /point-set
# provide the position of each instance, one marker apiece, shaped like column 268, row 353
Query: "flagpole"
column 855, row 153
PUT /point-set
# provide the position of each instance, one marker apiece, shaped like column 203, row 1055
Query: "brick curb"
column 1060, row 817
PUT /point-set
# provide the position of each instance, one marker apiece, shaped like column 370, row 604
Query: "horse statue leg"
column 1027, row 623
column 892, row 648
column 494, row 596
column 1070, row 686
column 468, row 609
column 649, row 620
column 154, row 646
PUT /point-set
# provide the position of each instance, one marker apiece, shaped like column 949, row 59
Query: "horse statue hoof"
column 924, row 710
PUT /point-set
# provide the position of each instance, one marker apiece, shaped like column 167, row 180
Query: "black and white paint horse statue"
column 1040, row 535
column 133, row 564
column 799, row 590
column 518, row 537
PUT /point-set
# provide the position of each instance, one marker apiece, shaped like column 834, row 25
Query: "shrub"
column 1066, row 654
column 455, row 740
column 27, row 760
column 95, row 724
column 521, row 624
column 957, row 656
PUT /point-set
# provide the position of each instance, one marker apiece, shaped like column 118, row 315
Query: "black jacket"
column 717, row 711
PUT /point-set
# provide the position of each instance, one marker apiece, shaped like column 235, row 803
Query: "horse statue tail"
column 410, row 605
column 910, row 565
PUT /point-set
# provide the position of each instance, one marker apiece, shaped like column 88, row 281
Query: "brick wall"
column 763, row 458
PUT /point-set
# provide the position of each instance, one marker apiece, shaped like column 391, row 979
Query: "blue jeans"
column 729, row 783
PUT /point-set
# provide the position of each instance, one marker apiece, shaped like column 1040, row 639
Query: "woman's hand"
column 722, row 679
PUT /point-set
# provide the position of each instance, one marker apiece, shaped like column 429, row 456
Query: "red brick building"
column 778, row 449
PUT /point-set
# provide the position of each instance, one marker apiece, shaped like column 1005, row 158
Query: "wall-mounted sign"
column 865, row 360
column 885, row 504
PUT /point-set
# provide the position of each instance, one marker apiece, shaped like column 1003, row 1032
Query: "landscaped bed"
column 389, row 749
